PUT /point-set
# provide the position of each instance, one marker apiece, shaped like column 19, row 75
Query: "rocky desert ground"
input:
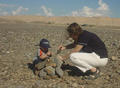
column 17, row 49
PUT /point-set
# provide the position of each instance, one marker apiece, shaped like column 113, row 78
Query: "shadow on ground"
column 72, row 70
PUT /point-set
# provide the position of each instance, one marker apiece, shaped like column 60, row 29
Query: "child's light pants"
column 86, row 61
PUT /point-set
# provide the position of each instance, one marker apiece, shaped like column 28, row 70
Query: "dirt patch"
column 17, row 49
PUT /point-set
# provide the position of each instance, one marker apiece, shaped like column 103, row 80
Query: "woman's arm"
column 70, row 46
column 77, row 48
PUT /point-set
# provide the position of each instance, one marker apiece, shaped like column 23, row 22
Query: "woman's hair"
column 74, row 29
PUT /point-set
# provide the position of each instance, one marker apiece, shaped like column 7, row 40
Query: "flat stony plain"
column 17, row 49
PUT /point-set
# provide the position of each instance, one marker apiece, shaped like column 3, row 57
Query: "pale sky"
column 84, row 8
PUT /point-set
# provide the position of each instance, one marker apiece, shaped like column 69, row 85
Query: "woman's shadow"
column 72, row 70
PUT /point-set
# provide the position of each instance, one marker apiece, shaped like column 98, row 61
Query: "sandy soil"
column 17, row 49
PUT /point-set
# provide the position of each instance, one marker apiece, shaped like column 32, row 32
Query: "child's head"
column 44, row 44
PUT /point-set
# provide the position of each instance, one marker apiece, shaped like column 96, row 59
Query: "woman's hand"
column 61, row 47
column 60, row 57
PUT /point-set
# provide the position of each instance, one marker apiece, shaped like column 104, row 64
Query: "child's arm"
column 43, row 56
column 47, row 55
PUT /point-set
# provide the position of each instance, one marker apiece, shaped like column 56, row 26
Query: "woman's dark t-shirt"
column 92, row 43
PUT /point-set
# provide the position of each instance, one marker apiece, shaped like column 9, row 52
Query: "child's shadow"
column 31, row 66
column 72, row 70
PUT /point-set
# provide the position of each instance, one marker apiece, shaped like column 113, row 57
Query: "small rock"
column 118, row 48
column 4, row 72
column 82, row 86
column 50, row 85
column 20, row 86
column 114, row 44
column 39, row 84
column 74, row 85
column 35, row 86
column 107, row 77
column 59, row 71
column 114, row 58
column 118, row 71
column 12, row 51
column 61, row 85
column 42, row 73
column 40, row 65
column 50, row 63
column 50, row 70
column 8, row 52
column 58, row 62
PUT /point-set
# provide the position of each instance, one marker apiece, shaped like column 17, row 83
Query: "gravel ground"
column 17, row 49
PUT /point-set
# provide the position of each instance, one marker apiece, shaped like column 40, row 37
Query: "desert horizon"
column 98, row 21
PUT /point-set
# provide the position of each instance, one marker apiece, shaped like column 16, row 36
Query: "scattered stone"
column 58, row 62
column 20, row 86
column 75, row 85
column 59, row 71
column 50, row 63
column 35, row 85
column 42, row 73
column 114, row 58
column 22, row 43
column 61, row 85
column 118, row 48
column 118, row 71
column 49, row 67
column 4, row 72
column 40, row 65
column 8, row 52
column 82, row 86
column 50, row 70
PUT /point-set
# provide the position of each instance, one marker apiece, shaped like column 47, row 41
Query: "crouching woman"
column 89, row 51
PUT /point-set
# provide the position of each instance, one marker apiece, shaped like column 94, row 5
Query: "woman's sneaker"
column 92, row 75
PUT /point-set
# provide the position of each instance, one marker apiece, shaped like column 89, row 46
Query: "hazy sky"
column 86, row 8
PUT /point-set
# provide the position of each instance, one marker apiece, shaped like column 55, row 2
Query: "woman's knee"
column 73, row 56
column 104, row 62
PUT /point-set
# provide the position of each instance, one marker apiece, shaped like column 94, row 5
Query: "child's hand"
column 49, row 54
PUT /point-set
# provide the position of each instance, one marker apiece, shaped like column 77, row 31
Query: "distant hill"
column 104, row 21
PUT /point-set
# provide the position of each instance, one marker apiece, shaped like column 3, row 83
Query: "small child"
column 43, row 65
column 43, row 52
